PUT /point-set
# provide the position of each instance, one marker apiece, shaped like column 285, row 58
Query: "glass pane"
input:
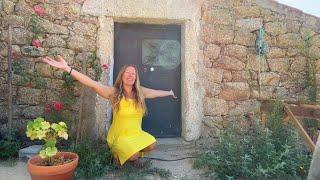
column 161, row 52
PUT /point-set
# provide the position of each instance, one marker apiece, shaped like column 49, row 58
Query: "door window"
column 161, row 52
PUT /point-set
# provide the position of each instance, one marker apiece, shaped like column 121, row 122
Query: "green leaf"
column 51, row 151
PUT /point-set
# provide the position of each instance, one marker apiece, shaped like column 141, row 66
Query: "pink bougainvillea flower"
column 36, row 43
column 57, row 105
column 105, row 66
column 39, row 10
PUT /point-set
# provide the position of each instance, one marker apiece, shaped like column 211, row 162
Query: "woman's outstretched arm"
column 102, row 90
column 152, row 93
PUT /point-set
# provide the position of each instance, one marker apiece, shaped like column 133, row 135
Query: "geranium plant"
column 43, row 130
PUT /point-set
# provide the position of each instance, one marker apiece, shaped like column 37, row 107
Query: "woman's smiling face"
column 129, row 76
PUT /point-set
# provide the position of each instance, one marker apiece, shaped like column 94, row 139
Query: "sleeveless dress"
column 125, row 136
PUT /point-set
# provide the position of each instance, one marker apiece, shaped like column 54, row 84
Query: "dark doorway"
column 156, row 51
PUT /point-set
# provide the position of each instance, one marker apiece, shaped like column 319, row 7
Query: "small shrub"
column 9, row 145
column 94, row 160
column 254, row 152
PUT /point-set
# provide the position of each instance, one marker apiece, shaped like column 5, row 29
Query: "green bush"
column 9, row 144
column 255, row 152
column 94, row 160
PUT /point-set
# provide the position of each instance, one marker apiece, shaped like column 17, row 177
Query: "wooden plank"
column 304, row 111
column 296, row 122
column 310, row 106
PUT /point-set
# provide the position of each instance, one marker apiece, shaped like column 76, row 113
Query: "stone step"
column 26, row 153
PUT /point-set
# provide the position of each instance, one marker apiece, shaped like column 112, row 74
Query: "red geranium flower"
column 57, row 105
column 36, row 43
column 104, row 66
column 39, row 10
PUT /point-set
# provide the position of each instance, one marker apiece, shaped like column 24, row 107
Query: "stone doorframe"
column 187, row 13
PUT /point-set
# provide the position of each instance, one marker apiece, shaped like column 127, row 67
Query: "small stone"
column 212, row 89
column 32, row 112
column 275, row 52
column 240, row 76
column 213, row 122
column 298, row 64
column 237, row 51
column 228, row 63
column 20, row 36
column 8, row 6
column 32, row 51
column 235, row 91
column 270, row 78
column 245, row 38
column 249, row 24
column 53, row 28
column 247, row 11
column 84, row 29
column 293, row 52
column 79, row 43
column 54, row 41
column 217, row 35
column 244, row 107
column 17, row 21
column 214, row 75
column 217, row 16
column 67, row 54
column 29, row 96
column 212, row 51
column 227, row 76
column 254, row 62
column 215, row 107
column 276, row 28
column 44, row 69
column 279, row 65
column 289, row 40
column 23, row 9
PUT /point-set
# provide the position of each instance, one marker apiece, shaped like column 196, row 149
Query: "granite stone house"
column 205, row 50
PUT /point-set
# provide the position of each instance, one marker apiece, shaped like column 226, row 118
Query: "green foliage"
column 9, row 145
column 254, row 152
column 310, row 70
column 129, row 172
column 94, row 160
column 98, row 71
column 43, row 130
column 20, row 67
column 35, row 27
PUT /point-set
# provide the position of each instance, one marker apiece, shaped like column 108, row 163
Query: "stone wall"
column 229, row 31
column 66, row 32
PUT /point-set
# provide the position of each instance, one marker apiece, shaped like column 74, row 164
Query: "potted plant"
column 50, row 164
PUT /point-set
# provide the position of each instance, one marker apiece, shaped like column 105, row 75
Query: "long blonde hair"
column 137, row 91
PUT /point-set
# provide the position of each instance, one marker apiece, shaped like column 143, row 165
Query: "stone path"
column 171, row 148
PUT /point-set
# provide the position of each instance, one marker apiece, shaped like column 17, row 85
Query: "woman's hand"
column 58, row 63
column 172, row 94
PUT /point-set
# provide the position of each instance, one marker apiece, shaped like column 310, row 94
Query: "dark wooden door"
column 155, row 51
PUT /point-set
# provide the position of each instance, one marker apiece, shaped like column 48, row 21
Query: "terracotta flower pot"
column 60, row 172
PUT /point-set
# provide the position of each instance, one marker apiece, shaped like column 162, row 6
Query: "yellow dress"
column 125, row 136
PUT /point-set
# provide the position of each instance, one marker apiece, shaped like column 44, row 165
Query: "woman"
column 125, row 138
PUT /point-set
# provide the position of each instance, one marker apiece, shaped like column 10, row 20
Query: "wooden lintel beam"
column 296, row 122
